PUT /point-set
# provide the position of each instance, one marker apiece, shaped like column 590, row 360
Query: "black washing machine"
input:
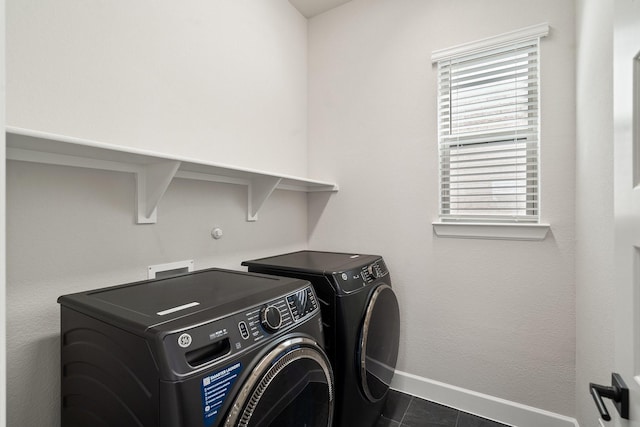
column 205, row 349
column 361, row 321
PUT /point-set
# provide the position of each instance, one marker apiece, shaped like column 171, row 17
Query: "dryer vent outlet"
column 163, row 271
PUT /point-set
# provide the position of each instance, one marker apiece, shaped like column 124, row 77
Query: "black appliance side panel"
column 108, row 375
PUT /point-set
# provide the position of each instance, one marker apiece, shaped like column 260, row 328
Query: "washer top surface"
column 315, row 261
column 200, row 295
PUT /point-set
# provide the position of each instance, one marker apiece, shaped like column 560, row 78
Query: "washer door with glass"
column 291, row 386
column 379, row 342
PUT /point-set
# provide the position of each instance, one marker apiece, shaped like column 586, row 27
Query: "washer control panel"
column 267, row 318
column 279, row 314
column 302, row 303
column 203, row 344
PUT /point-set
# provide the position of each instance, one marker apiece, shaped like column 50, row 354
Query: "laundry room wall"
column 221, row 81
column 487, row 316
column 595, row 274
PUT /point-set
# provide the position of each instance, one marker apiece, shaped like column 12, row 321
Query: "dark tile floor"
column 403, row 410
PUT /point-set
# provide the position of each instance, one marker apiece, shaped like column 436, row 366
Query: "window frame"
column 463, row 226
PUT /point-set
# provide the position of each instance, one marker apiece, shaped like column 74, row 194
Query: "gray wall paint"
column 3, row 241
column 495, row 317
column 222, row 81
column 594, row 203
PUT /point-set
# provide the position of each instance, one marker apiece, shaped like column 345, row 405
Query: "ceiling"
column 311, row 8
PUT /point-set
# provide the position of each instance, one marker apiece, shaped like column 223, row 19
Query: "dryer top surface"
column 315, row 261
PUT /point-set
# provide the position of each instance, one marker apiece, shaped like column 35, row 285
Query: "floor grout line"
column 406, row 410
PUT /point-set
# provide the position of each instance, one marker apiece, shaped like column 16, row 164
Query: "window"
column 488, row 136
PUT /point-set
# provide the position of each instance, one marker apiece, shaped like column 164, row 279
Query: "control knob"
column 270, row 318
column 373, row 271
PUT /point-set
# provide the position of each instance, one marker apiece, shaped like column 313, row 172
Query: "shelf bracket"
column 260, row 188
column 152, row 181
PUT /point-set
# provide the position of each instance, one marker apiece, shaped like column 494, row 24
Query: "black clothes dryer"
column 205, row 349
column 361, row 320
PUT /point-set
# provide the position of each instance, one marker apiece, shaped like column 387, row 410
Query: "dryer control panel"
column 353, row 280
column 374, row 271
column 197, row 347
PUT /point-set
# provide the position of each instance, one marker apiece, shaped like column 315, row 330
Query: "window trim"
column 534, row 31
column 498, row 229
column 491, row 231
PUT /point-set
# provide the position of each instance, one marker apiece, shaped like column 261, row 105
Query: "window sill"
column 467, row 230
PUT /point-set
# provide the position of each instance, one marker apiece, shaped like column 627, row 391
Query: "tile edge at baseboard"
column 483, row 405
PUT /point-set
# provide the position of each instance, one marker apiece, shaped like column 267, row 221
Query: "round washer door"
column 291, row 386
column 379, row 342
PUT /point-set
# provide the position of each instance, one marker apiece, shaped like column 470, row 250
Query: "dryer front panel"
column 379, row 342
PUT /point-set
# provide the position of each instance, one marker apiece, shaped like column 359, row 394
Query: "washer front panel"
column 297, row 371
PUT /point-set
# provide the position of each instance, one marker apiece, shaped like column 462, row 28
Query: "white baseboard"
column 483, row 405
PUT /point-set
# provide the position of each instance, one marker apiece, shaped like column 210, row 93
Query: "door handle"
column 618, row 392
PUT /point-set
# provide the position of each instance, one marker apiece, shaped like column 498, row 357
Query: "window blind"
column 488, row 119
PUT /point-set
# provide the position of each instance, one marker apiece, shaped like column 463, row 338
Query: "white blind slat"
column 497, row 134
column 490, row 69
column 470, row 91
column 478, row 108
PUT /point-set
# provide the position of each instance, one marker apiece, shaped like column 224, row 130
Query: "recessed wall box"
column 161, row 271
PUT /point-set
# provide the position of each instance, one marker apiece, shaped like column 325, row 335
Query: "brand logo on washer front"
column 184, row 340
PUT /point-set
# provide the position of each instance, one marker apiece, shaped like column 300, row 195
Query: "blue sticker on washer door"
column 215, row 388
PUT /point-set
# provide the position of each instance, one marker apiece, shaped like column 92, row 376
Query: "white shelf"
column 154, row 171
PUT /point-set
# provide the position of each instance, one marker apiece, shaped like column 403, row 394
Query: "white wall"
column 495, row 317
column 594, row 203
column 227, row 81
column 224, row 81
column 3, row 319
column 218, row 80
